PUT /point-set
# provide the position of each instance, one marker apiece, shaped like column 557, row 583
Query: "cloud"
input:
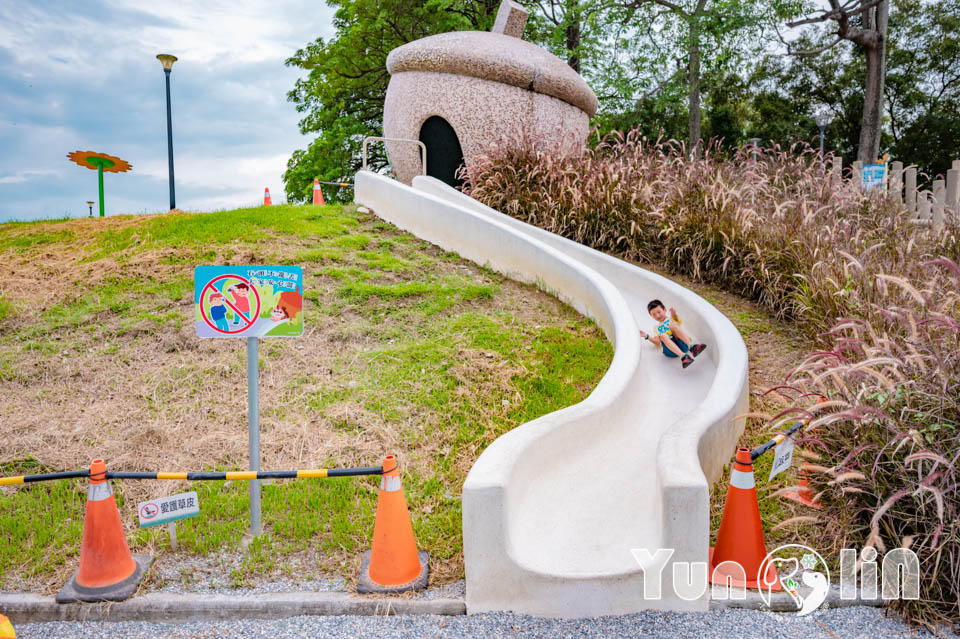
column 84, row 76
column 208, row 182
column 23, row 176
column 259, row 32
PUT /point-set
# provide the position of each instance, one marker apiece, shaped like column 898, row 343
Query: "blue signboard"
column 874, row 175
column 248, row 301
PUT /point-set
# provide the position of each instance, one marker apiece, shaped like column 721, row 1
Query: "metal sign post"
column 250, row 302
column 253, row 421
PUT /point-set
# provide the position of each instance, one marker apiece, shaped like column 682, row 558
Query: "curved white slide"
column 553, row 509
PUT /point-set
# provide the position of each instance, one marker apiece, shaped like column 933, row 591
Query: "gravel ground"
column 181, row 574
column 279, row 585
column 212, row 575
column 848, row 623
column 452, row 590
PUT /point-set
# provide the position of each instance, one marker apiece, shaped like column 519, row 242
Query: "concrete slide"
column 553, row 509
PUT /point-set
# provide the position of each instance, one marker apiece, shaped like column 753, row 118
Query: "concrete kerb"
column 182, row 608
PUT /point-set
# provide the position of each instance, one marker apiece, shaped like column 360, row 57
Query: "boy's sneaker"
column 687, row 360
column 696, row 349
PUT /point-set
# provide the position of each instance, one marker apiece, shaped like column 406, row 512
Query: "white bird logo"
column 820, row 586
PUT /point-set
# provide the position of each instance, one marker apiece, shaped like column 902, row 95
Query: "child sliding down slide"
column 670, row 337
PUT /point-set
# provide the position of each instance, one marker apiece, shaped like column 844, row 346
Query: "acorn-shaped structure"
column 465, row 93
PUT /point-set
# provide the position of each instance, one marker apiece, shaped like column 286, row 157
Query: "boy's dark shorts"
column 679, row 342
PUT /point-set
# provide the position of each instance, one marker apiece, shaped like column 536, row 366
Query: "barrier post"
column 910, row 189
column 939, row 203
column 253, row 420
column 953, row 191
column 896, row 181
column 837, row 166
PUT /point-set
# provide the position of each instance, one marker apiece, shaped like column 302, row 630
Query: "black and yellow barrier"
column 29, row 479
column 759, row 450
column 241, row 475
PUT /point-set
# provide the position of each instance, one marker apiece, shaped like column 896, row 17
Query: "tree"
column 715, row 32
column 727, row 109
column 654, row 119
column 789, row 90
column 921, row 90
column 573, row 30
column 923, row 83
column 342, row 96
column 871, row 37
column 558, row 24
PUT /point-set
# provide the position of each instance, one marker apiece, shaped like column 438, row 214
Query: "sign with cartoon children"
column 248, row 301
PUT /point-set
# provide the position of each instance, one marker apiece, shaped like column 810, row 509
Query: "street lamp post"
column 754, row 142
column 167, row 61
column 823, row 119
column 90, row 204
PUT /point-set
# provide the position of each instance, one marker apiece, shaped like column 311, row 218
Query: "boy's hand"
column 673, row 313
column 644, row 335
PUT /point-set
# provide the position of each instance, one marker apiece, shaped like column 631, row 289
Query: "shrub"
column 770, row 230
column 889, row 437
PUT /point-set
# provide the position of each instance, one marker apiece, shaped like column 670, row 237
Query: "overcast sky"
column 84, row 76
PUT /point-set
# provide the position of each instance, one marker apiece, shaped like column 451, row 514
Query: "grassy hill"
column 406, row 350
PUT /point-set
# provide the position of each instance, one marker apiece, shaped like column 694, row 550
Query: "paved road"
column 845, row 623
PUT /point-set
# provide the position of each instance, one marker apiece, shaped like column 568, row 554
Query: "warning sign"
column 248, row 301
column 782, row 457
column 166, row 509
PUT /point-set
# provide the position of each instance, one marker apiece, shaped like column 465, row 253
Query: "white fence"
column 926, row 207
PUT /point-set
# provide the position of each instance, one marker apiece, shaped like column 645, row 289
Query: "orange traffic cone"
column 6, row 629
column 803, row 494
column 393, row 563
column 740, row 538
column 107, row 571
column 266, row 198
column 317, row 193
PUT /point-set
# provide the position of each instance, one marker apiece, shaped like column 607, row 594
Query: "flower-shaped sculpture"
column 101, row 162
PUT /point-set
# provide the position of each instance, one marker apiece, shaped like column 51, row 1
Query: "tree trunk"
column 573, row 34
column 874, row 20
column 693, row 80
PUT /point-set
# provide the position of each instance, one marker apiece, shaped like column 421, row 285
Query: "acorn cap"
column 496, row 57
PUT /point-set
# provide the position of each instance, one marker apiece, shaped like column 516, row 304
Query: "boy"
column 218, row 312
column 670, row 337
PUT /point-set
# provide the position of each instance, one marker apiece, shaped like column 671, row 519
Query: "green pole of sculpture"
column 101, row 162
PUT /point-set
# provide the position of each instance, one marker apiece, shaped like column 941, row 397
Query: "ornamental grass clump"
column 888, row 439
column 767, row 229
